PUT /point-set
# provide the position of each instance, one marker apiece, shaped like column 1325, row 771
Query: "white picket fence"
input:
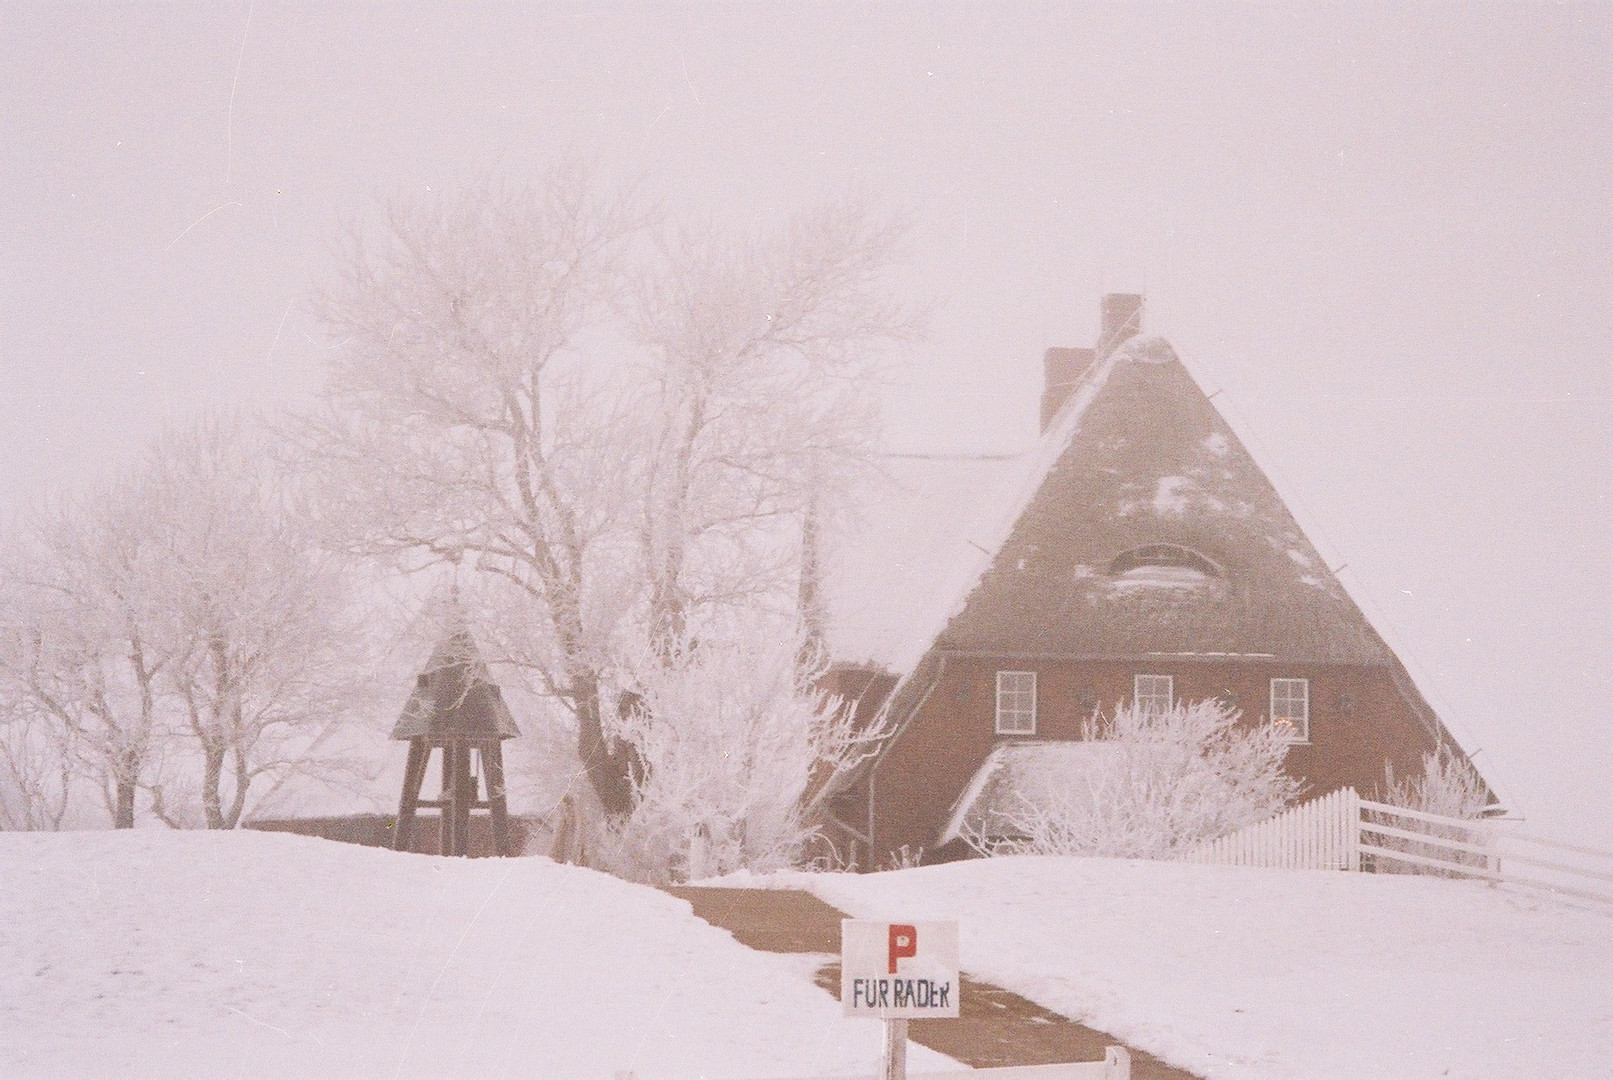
column 1343, row 831
column 1322, row 834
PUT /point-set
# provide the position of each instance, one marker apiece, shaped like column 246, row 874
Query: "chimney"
column 1062, row 369
column 1122, row 319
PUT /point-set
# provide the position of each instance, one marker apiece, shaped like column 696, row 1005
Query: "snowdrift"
column 172, row 955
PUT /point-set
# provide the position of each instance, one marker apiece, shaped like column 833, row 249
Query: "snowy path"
column 994, row 1028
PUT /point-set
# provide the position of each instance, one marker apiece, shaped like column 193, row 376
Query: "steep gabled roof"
column 1156, row 532
column 1138, row 525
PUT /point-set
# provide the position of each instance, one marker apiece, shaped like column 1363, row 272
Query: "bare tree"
column 262, row 643
column 177, row 618
column 480, row 412
column 82, row 648
column 762, row 353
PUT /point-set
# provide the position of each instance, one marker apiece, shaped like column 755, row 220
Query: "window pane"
column 1016, row 702
column 1153, row 693
column 1290, row 707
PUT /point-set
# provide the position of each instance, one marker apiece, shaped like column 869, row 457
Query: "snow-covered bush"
column 735, row 743
column 1449, row 787
column 1167, row 781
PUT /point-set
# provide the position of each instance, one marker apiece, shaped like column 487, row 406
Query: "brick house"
column 1135, row 553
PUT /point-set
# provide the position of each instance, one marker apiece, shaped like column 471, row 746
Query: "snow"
column 1158, row 576
column 883, row 566
column 906, row 562
column 1268, row 974
column 145, row 954
column 1171, row 496
column 228, row 954
column 1025, row 774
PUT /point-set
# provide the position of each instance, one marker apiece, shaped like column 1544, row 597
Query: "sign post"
column 897, row 972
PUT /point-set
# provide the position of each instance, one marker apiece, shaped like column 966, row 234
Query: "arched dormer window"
column 1163, row 564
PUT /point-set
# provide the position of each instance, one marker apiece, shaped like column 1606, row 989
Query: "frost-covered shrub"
column 735, row 743
column 1167, row 781
column 1449, row 787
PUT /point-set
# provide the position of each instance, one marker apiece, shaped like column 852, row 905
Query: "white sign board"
column 898, row 971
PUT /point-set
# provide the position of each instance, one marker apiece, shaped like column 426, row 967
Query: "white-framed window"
column 1152, row 694
column 1016, row 702
column 1291, row 708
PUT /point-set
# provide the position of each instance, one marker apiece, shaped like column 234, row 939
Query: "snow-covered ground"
column 1257, row 974
column 156, row 954
column 171, row 955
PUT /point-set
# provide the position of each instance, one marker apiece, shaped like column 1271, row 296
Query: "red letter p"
column 904, row 941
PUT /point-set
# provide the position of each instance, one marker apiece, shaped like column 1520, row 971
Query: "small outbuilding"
column 456, row 708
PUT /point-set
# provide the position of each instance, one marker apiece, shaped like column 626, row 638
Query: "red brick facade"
column 1359, row 720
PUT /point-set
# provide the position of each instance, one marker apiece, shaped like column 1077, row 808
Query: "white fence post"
column 1352, row 830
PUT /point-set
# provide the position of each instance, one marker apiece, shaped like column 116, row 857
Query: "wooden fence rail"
column 1342, row 831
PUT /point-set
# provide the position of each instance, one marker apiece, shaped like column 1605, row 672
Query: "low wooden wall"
column 375, row 830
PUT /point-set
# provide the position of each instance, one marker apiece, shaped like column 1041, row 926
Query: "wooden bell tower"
column 456, row 708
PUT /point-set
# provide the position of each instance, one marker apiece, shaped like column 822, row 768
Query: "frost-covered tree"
column 176, row 634
column 465, row 421
column 37, row 778
column 264, row 650
column 82, row 644
column 761, row 353
column 738, row 743
column 612, row 432
column 1169, row 780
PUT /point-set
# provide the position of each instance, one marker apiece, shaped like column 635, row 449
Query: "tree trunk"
column 242, row 778
column 212, row 772
column 123, row 815
column 609, row 773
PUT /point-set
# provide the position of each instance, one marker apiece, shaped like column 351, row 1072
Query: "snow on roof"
column 924, row 532
column 1021, row 776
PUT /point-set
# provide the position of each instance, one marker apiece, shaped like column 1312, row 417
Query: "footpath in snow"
column 175, row 955
column 1234, row 972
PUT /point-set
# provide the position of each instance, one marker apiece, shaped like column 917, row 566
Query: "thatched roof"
column 1156, row 532
column 1138, row 526
column 455, row 696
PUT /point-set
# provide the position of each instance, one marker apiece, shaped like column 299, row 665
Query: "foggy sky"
column 1382, row 236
